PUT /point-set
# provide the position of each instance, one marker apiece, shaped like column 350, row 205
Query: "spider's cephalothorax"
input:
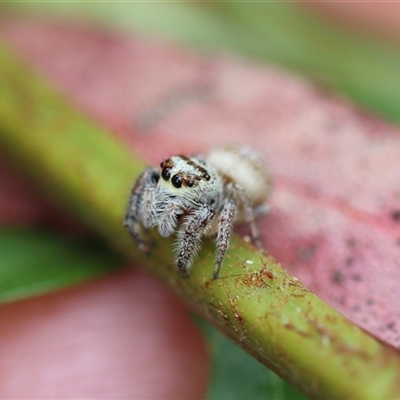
column 203, row 195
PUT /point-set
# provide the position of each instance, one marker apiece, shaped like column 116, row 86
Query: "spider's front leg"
column 224, row 233
column 140, row 209
column 189, row 237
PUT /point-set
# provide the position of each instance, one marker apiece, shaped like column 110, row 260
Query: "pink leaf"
column 335, row 219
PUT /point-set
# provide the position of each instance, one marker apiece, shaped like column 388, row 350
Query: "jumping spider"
column 204, row 195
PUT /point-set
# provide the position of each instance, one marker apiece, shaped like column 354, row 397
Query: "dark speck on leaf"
column 349, row 261
column 391, row 325
column 370, row 302
column 351, row 243
column 396, row 215
column 338, row 277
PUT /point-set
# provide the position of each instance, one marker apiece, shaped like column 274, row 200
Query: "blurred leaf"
column 333, row 166
column 364, row 68
column 235, row 375
column 267, row 311
column 34, row 262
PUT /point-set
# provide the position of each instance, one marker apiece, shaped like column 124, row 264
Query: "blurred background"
column 352, row 49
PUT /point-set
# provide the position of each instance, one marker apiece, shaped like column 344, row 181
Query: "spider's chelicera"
column 197, row 196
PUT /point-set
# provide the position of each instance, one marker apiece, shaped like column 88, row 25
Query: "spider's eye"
column 166, row 173
column 207, row 177
column 176, row 181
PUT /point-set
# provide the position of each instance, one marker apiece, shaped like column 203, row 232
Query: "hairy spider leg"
column 250, row 217
column 141, row 194
column 235, row 194
column 146, row 212
column 189, row 237
column 224, row 233
column 250, row 212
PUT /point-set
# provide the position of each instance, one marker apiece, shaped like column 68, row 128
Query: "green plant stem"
column 255, row 302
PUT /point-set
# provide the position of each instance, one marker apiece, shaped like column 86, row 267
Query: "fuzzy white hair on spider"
column 197, row 196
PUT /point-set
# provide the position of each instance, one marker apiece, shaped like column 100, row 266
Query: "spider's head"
column 181, row 174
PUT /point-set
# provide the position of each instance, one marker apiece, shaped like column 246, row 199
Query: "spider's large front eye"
column 166, row 173
column 176, row 181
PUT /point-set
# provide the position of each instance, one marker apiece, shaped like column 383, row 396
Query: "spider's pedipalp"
column 168, row 218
